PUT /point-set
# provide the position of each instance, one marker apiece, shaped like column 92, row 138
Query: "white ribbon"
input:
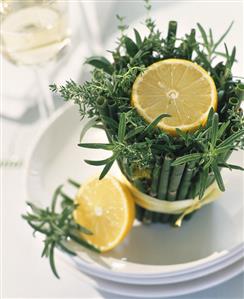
column 180, row 207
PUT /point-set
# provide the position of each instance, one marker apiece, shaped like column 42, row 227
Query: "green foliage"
column 131, row 46
column 100, row 63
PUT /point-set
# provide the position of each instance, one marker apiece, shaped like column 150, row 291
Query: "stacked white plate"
column 153, row 261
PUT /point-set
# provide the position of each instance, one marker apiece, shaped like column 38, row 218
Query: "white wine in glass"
column 33, row 33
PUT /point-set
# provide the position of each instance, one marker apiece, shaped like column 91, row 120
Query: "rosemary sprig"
column 209, row 44
column 210, row 157
column 57, row 227
column 121, row 147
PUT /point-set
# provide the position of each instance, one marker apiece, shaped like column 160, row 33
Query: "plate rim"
column 169, row 279
column 238, row 269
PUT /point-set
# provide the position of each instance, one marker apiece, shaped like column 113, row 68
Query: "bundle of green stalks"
column 166, row 167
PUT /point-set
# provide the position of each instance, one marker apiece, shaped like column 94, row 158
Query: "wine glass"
column 34, row 33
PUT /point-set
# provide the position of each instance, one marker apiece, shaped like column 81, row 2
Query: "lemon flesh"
column 107, row 209
column 178, row 87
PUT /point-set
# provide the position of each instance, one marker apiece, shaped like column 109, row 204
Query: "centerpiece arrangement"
column 171, row 114
column 171, row 110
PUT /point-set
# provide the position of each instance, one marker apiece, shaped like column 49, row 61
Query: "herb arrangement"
column 163, row 166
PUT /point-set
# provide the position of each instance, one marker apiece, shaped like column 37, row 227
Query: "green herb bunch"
column 56, row 223
column 166, row 167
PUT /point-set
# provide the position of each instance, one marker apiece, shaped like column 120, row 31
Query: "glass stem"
column 45, row 99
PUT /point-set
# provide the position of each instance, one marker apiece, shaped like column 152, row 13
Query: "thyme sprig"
column 58, row 227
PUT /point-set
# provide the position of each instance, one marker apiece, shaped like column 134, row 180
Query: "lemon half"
column 178, row 87
column 107, row 209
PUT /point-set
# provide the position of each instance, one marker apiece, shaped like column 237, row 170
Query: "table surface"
column 25, row 274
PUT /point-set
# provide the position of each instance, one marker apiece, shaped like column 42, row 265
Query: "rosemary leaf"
column 138, row 38
column 223, row 36
column 100, row 63
column 222, row 129
column 104, row 146
column 204, row 35
column 203, row 182
column 122, row 127
column 155, row 122
column 100, row 162
column 134, row 132
column 230, row 166
column 77, row 239
column 223, row 149
column 36, row 227
column 186, row 158
column 111, row 122
column 55, row 197
column 218, row 176
column 106, row 169
column 34, row 208
column 72, row 182
column 65, row 249
column 214, row 131
column 91, row 123
column 231, row 139
column 51, row 259
column 45, row 251
column 131, row 47
column 80, row 228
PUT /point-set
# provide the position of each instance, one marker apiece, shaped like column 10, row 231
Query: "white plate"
column 148, row 251
column 160, row 291
column 169, row 279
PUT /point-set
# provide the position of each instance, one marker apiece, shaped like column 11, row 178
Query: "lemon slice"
column 177, row 87
column 107, row 208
